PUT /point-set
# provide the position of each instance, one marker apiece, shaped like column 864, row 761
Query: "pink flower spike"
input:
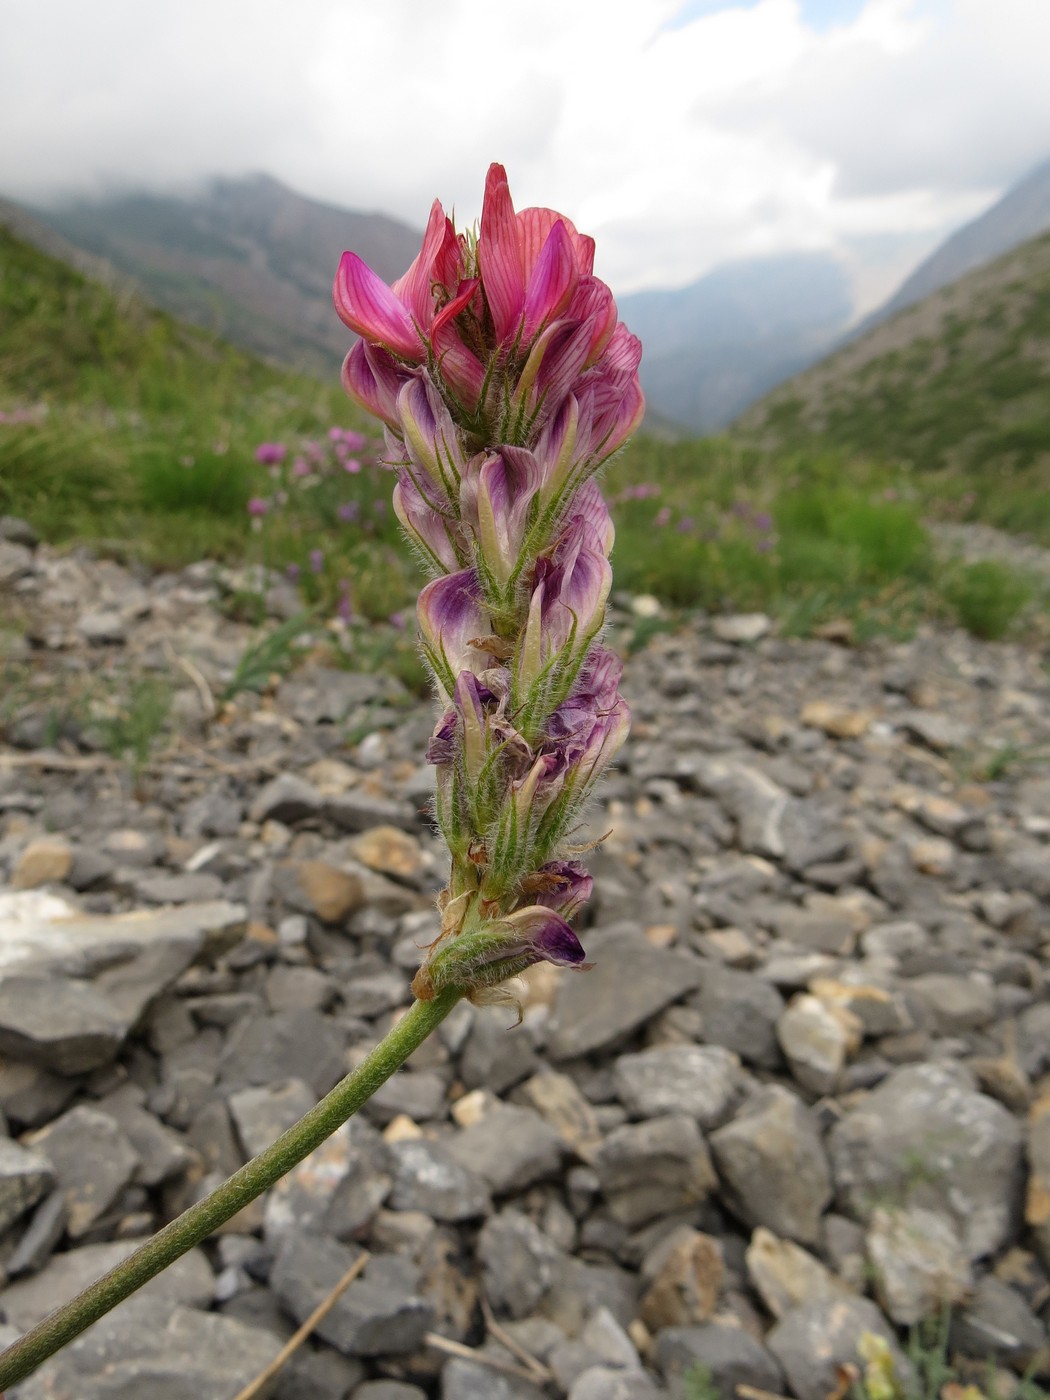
column 367, row 305
column 499, row 256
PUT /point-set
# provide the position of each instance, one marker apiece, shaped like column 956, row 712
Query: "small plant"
column 698, row 1384
column 136, row 724
column 988, row 597
column 273, row 654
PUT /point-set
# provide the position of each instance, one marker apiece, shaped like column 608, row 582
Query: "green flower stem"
column 252, row 1180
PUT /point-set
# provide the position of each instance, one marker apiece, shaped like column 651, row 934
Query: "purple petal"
column 551, row 282
column 545, row 936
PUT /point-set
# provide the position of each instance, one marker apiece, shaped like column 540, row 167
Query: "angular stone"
column 429, row 1178
column 740, row 1012
column 287, row 799
column 148, row 1348
column 558, row 1099
column 919, row 1263
column 651, row 1169
column 926, row 1138
column 263, row 1112
column 517, row 1261
column 319, row 888
column 472, row 1380
column 390, row 851
column 838, row 721
column 93, row 1159
column 509, row 1148
column 325, row 1374
column 998, row 1322
column 188, row 1281
column 686, row 1272
column 630, row 982
column 816, row 1040
column 953, row 1004
column 609, row 1383
column 379, row 1314
column 72, row 985
column 811, row 1342
column 784, row 1275
column 44, row 860
column 701, row 1080
column 289, row 1044
column 25, row 1177
column 496, row 1055
column 731, row 1356
column 336, row 1190
column 772, row 1164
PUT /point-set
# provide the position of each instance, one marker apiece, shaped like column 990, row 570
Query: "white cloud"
column 744, row 131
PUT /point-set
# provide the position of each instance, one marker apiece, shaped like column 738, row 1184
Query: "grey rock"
column 325, row 1375
column 815, row 1043
column 509, row 1148
column 42, row 1234
column 287, row 799
column 471, row 1380
column 288, row 1044
column 754, row 802
column 920, row 1265
column 261, row 1113
column 812, row 1341
column 188, row 1281
column 418, row 1094
column 701, row 1080
column 18, row 531
column 740, row 1012
column 323, row 695
column 388, row 1390
column 731, row 1356
column 496, row 1055
column 954, row 1005
column 162, row 1152
column 772, row 1165
column 93, row 1159
column 998, row 1322
column 178, row 888
column 337, row 1190
column 72, row 985
column 148, row 1348
column 359, row 811
column 429, row 1178
column 630, row 982
column 517, row 1263
column 25, row 1176
column 926, row 1138
column 607, row 1383
column 651, row 1169
column 379, row 1314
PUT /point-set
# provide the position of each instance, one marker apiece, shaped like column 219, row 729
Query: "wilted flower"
column 504, row 380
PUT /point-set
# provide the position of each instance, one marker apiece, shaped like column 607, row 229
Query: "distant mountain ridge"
column 248, row 259
column 715, row 346
column 1021, row 214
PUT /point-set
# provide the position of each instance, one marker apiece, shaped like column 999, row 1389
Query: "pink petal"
column 551, row 282
column 414, row 289
column 535, row 226
column 499, row 256
column 367, row 305
column 372, row 384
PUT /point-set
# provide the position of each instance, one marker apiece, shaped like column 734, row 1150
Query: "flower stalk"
column 504, row 382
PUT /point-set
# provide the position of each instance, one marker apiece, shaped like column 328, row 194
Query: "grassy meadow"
column 148, row 439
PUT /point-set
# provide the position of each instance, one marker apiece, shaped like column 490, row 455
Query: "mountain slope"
column 1022, row 214
column 958, row 385
column 248, row 259
column 713, row 347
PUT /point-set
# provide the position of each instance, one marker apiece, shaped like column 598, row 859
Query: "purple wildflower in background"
column 270, row 453
column 504, row 380
column 348, row 512
column 258, row 506
column 316, row 560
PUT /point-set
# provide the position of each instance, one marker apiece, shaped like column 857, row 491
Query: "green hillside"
column 952, row 395
column 126, row 428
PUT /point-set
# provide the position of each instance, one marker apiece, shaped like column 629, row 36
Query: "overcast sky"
column 680, row 132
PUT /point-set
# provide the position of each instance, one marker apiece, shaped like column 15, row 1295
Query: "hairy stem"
column 252, row 1180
